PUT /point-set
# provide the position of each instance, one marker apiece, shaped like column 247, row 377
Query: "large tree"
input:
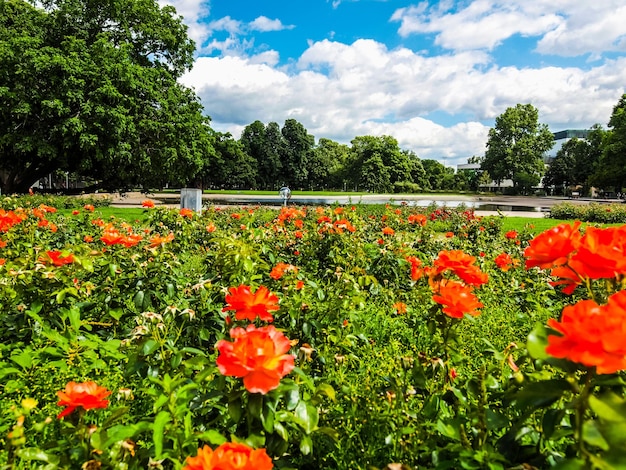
column 232, row 167
column 611, row 170
column 369, row 153
column 516, row 145
column 298, row 148
column 326, row 165
column 91, row 87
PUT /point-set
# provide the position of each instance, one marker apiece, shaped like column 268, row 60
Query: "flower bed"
column 330, row 337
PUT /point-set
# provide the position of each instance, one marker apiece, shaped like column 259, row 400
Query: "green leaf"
column 255, row 405
column 306, row 416
column 30, row 453
column 74, row 315
column 138, row 300
column 541, row 394
column 551, row 418
column 609, row 406
column 24, row 359
column 149, row 347
column 158, row 431
column 326, row 389
column 116, row 313
column 281, row 431
column 306, row 445
column 114, row 416
column 538, row 341
column 213, row 437
column 592, row 435
column 449, row 430
column 234, row 410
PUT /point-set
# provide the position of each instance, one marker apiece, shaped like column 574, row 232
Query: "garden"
column 353, row 337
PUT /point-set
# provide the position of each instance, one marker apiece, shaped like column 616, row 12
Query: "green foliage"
column 610, row 171
column 516, row 145
column 597, row 213
column 382, row 375
column 93, row 90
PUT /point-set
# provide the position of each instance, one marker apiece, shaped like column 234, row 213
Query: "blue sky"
column 434, row 75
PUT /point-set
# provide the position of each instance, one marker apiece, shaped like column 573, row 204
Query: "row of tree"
column 268, row 156
column 92, row 88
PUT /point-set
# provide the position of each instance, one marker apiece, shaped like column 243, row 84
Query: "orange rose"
column 185, row 212
column 461, row 264
column 458, row 299
column 592, row 334
column 157, row 240
column 147, row 203
column 85, row 395
column 280, row 269
column 229, row 456
column 419, row 219
column 8, row 219
column 57, row 258
column 505, row 262
column 399, row 307
column 416, row 271
column 248, row 306
column 553, row 247
column 258, row 355
column 602, row 253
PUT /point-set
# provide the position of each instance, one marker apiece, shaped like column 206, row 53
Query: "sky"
column 433, row 74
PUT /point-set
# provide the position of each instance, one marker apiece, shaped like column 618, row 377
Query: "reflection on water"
column 342, row 200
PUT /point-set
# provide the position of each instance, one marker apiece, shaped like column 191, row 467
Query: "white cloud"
column 340, row 91
column 562, row 27
column 482, row 24
column 598, row 28
column 263, row 24
column 226, row 24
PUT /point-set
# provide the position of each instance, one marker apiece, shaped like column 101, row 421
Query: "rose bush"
column 390, row 342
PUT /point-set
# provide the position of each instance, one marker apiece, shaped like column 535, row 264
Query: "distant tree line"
column 92, row 89
column 267, row 156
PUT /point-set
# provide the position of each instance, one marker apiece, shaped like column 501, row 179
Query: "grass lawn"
column 535, row 225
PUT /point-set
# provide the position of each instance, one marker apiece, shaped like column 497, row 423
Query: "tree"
column 418, row 174
column 91, row 87
column 326, row 165
column 375, row 175
column 587, row 157
column 438, row 175
column 265, row 145
column 611, row 170
column 397, row 165
column 232, row 167
column 298, row 146
column 516, row 145
column 560, row 175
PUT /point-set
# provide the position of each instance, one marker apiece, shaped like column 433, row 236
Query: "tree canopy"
column 611, row 170
column 516, row 145
column 91, row 87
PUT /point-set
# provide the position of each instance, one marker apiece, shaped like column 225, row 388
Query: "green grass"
column 129, row 214
column 534, row 225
